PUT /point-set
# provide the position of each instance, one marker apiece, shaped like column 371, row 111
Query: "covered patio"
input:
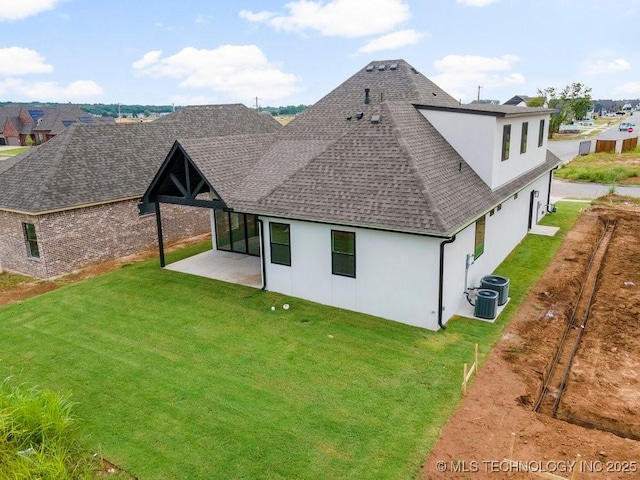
column 235, row 257
column 226, row 266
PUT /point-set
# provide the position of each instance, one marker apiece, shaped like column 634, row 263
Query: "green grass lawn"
column 606, row 168
column 178, row 376
column 14, row 151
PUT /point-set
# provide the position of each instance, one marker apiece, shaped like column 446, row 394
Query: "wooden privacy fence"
column 467, row 373
column 605, row 146
column 531, row 467
column 629, row 144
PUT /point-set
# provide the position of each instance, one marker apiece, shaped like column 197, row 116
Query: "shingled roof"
column 375, row 163
column 92, row 164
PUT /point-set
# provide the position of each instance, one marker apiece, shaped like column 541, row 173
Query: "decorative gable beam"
column 180, row 182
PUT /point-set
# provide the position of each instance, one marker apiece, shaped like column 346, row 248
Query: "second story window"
column 506, row 141
column 523, row 138
column 541, row 133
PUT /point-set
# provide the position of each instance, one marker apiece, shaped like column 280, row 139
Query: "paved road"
column 562, row 189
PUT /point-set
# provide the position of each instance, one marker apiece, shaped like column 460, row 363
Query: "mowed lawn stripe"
column 183, row 377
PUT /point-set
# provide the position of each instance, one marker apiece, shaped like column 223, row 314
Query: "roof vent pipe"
column 367, row 100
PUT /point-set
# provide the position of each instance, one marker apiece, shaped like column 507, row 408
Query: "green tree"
column 578, row 98
column 536, row 102
column 552, row 99
column 572, row 102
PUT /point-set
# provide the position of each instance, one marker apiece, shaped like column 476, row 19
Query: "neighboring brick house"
column 41, row 123
column 73, row 201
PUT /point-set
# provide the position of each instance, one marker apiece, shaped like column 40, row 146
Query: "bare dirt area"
column 602, row 389
column 37, row 287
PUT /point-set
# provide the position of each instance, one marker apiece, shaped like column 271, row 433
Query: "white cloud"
column 17, row 10
column 256, row 17
column 22, row 61
column 148, row 59
column 202, row 19
column 631, row 89
column 460, row 75
column 604, row 67
column 392, row 41
column 50, row 91
column 239, row 71
column 477, row 3
column 339, row 18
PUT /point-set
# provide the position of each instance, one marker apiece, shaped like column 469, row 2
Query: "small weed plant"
column 39, row 437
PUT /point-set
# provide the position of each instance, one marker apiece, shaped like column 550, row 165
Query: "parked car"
column 625, row 126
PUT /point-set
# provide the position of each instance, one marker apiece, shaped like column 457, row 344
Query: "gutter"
column 262, row 256
column 441, row 280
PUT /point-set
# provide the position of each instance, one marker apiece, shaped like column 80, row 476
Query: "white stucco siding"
column 396, row 274
column 472, row 136
column 504, row 230
column 517, row 163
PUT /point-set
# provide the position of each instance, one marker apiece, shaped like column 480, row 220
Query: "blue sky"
column 285, row 52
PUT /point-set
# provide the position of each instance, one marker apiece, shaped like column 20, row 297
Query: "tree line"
column 116, row 110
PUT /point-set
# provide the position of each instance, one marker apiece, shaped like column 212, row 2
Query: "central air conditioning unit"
column 498, row 284
column 486, row 304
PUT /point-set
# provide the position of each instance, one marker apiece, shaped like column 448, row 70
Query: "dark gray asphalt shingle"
column 397, row 174
column 89, row 164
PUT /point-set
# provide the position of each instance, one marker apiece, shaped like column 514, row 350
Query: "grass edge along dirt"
column 178, row 376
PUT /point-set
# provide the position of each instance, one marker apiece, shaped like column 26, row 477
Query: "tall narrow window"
column 343, row 253
column 541, row 133
column 479, row 243
column 280, row 239
column 32, row 240
column 506, row 141
column 523, row 138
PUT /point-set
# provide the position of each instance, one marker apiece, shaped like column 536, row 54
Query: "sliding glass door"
column 237, row 232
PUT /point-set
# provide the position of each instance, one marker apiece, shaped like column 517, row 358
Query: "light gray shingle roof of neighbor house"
column 227, row 118
column 54, row 118
column 398, row 173
column 89, row 164
column 11, row 110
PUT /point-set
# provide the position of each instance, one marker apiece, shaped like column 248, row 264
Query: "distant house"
column 73, row 201
column 39, row 124
column 518, row 101
column 386, row 197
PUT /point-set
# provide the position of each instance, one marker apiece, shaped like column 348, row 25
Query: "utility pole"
column 257, row 106
column 479, row 87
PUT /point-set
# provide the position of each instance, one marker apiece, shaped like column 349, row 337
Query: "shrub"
column 39, row 436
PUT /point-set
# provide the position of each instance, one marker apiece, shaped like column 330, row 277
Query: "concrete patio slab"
column 226, row 266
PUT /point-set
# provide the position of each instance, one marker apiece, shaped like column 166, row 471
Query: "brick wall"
column 77, row 238
column 11, row 135
column 24, row 116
